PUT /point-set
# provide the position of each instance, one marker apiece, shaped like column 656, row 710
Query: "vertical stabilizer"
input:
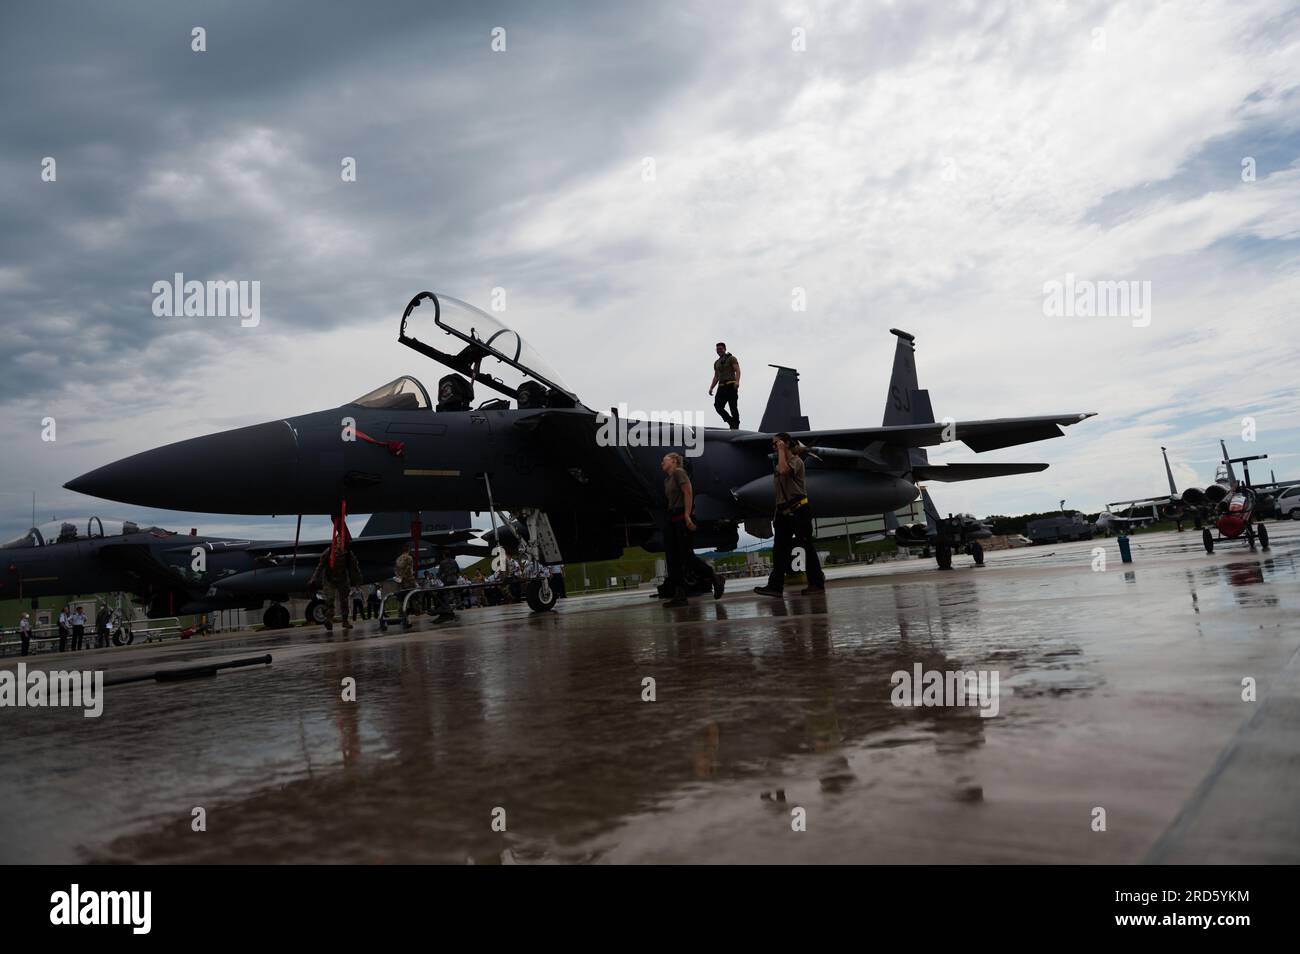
column 783, row 412
column 1227, row 464
column 1173, row 490
column 906, row 402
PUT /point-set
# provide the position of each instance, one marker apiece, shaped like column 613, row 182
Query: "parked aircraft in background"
column 174, row 574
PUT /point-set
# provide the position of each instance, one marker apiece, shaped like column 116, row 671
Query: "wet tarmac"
column 1120, row 689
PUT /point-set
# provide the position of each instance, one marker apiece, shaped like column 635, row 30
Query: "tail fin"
column 931, row 513
column 906, row 402
column 783, row 412
column 1173, row 490
column 383, row 524
column 1227, row 463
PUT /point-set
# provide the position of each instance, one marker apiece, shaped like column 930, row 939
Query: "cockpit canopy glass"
column 477, row 345
column 480, row 326
column 73, row 529
column 403, row 394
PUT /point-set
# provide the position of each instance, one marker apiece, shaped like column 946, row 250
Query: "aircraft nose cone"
column 246, row 470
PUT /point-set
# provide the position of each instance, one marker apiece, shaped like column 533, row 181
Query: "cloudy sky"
column 643, row 181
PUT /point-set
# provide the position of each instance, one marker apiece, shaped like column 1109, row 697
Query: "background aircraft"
column 1249, row 502
column 960, row 532
column 581, row 497
column 173, row 574
column 1169, row 506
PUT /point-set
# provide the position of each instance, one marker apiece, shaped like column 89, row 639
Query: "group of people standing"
column 791, row 515
column 367, row 602
column 72, row 629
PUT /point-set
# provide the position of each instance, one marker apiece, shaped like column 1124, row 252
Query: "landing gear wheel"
column 541, row 595
column 1207, row 538
column 315, row 612
column 276, row 617
column 977, row 551
column 123, row 636
column 1263, row 536
column 943, row 555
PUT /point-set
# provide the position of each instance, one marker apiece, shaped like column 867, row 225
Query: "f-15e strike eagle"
column 535, row 450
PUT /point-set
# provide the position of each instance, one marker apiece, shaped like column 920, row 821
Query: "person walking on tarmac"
column 678, row 551
column 792, row 520
column 726, row 378
column 336, row 573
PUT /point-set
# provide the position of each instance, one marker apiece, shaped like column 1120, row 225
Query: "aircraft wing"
column 456, row 541
column 979, row 436
column 947, row 473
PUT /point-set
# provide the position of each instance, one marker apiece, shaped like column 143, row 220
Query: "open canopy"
column 477, row 345
column 74, row 529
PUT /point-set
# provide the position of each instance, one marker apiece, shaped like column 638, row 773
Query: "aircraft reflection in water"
column 417, row 758
column 394, row 450
column 172, row 574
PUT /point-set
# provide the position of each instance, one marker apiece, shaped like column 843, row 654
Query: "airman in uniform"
column 404, row 570
column 726, row 378
column 336, row 573
column 679, row 553
column 792, row 520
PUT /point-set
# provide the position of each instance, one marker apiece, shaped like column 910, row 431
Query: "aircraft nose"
column 249, row 470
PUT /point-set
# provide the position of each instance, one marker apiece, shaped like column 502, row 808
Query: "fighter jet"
column 1200, row 504
column 587, row 485
column 960, row 532
column 1164, row 507
column 174, row 574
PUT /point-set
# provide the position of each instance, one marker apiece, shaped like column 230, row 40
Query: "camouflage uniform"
column 404, row 570
column 336, row 582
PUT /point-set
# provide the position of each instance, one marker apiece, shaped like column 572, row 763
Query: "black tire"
column 1263, row 536
column 276, row 617
column 315, row 612
column 123, row 636
column 943, row 555
column 1207, row 538
column 977, row 551
column 541, row 598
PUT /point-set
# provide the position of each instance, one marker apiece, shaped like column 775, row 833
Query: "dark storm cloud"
column 225, row 164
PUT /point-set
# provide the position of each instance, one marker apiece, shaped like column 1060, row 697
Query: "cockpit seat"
column 454, row 393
